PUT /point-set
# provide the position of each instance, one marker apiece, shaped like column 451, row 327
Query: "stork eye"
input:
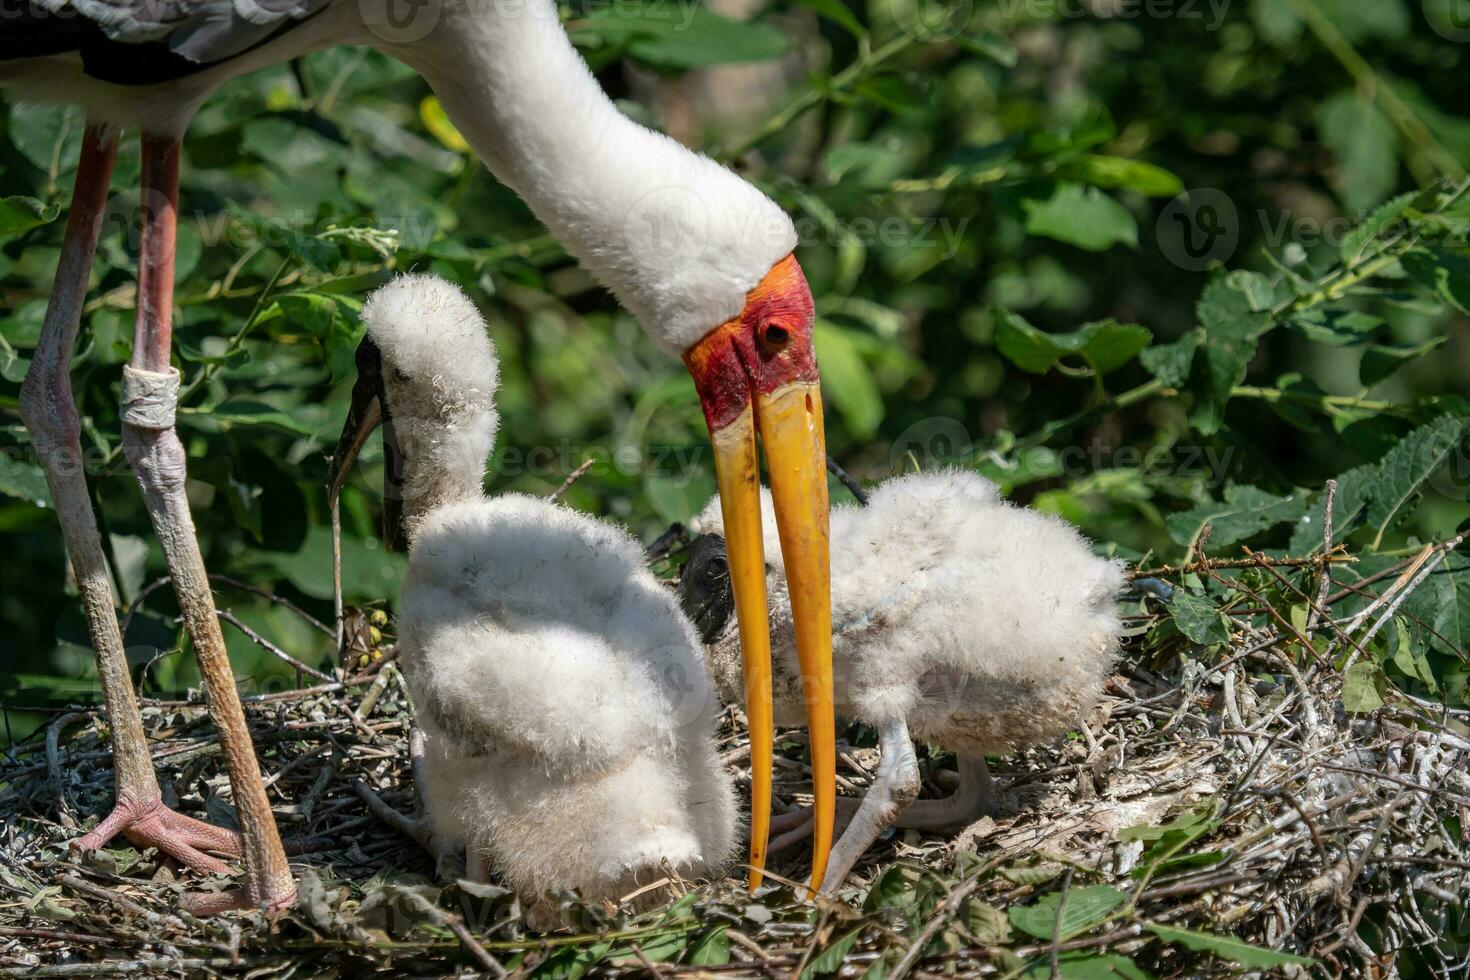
column 775, row 337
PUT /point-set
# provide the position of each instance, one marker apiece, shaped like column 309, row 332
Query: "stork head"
column 757, row 374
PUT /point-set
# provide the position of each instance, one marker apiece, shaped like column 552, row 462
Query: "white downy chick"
column 568, row 718
column 958, row 619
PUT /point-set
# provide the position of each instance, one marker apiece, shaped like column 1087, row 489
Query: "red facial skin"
column 768, row 345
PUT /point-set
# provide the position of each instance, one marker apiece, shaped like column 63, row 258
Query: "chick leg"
column 894, row 787
column 974, row 799
column 418, row 827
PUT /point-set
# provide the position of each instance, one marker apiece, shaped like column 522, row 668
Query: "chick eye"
column 775, row 337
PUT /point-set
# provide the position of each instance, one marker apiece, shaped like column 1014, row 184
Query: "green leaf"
column 1408, row 466
column 1086, row 965
column 20, row 214
column 23, row 480
column 669, row 36
column 712, row 949
column 1105, row 346
column 1233, row 311
column 48, row 135
column 1080, row 215
column 830, row 959
column 1245, row 511
column 1365, row 146
column 245, row 411
column 1364, row 687
column 1442, row 603
column 988, row 924
column 1227, row 947
column 1351, row 502
column 1339, row 328
column 1408, row 654
column 1123, row 173
column 310, row 312
column 1444, row 271
column 1170, row 362
column 1199, row 618
column 838, row 13
column 1380, row 362
column 847, row 379
column 1081, row 909
column 1356, row 242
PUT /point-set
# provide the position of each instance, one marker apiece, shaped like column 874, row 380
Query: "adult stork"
column 702, row 258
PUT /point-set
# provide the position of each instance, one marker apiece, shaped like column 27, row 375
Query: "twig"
column 270, row 647
column 1257, row 560
column 1320, row 608
column 573, row 477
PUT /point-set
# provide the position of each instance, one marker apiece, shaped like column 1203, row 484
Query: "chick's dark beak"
column 368, row 411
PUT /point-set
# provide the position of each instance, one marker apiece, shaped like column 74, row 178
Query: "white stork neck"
column 678, row 238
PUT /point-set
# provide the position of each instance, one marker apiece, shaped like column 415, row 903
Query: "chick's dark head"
column 704, row 587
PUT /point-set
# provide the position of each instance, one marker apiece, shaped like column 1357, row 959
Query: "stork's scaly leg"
column 149, row 396
column 894, row 787
column 49, row 410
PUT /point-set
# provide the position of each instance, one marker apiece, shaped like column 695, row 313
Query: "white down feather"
column 986, row 626
column 568, row 715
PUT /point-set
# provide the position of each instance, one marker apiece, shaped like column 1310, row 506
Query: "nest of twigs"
column 1242, row 805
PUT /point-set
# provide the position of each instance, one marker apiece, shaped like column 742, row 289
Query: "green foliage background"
column 992, row 221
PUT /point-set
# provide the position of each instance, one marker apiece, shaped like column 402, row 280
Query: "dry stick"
column 270, row 647
column 53, row 752
column 274, row 599
column 1403, row 593
column 1259, row 561
column 336, row 509
column 1320, row 608
column 573, row 477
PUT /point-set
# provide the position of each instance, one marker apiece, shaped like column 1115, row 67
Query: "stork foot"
column 151, row 824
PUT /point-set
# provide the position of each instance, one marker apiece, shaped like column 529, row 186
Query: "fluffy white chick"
column 958, row 619
column 568, row 719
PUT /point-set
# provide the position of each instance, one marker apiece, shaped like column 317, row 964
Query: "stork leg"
column 894, row 787
column 152, row 447
column 49, row 411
